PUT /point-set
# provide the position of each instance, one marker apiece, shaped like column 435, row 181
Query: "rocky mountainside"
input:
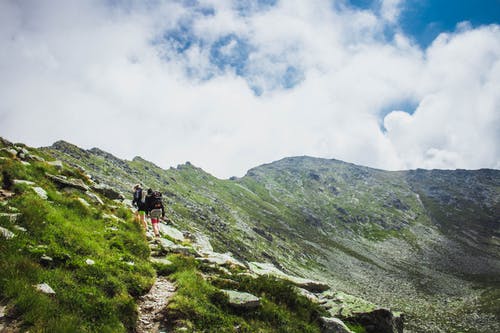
column 74, row 260
column 423, row 242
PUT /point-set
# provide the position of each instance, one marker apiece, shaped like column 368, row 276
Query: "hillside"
column 422, row 242
column 74, row 260
column 412, row 240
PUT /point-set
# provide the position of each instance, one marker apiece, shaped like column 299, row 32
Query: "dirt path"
column 152, row 304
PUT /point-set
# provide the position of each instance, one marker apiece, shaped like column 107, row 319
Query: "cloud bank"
column 229, row 85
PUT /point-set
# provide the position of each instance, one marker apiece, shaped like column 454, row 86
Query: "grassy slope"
column 102, row 297
column 88, row 298
column 364, row 230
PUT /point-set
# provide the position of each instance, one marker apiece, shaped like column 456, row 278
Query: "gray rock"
column 307, row 294
column 221, row 259
column 20, row 228
column 111, row 217
column 46, row 260
column 171, row 232
column 44, row 288
column 11, row 151
column 22, row 152
column 162, row 261
column 269, row 269
column 12, row 217
column 23, row 182
column 108, row 192
column 71, row 183
column 380, row 320
column 242, row 300
column 202, row 244
column 37, row 158
column 84, row 202
column 5, row 194
column 333, row 325
column 168, row 246
column 6, row 233
column 41, row 192
column 58, row 164
column 94, row 197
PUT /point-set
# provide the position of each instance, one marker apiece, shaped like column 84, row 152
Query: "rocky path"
column 152, row 304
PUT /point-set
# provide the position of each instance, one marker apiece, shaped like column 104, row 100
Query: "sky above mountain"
column 228, row 85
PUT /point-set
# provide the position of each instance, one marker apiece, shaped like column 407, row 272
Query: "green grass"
column 356, row 328
column 200, row 305
column 89, row 298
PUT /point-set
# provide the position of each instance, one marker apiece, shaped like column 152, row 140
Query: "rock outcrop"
column 241, row 300
column 63, row 182
column 107, row 191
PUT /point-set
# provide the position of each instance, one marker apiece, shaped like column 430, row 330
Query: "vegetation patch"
column 200, row 305
column 95, row 266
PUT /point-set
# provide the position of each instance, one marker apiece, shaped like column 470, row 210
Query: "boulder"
column 45, row 260
column 71, row 182
column 6, row 233
column 202, row 244
column 94, row 197
column 379, row 321
column 23, row 182
column 221, row 259
column 84, row 202
column 57, row 164
column 171, row 232
column 11, row 151
column 20, row 228
column 168, row 246
column 12, row 217
column 5, row 194
column 22, row 152
column 41, row 192
column 37, row 158
column 108, row 192
column 307, row 294
column 162, row 261
column 111, row 217
column 45, row 288
column 242, row 300
column 333, row 325
column 340, row 304
column 269, row 269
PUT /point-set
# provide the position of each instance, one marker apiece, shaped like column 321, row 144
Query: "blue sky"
column 425, row 19
column 231, row 84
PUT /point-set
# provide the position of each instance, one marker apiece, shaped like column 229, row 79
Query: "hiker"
column 139, row 201
column 155, row 209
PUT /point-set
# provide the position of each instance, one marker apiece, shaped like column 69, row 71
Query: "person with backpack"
column 139, row 201
column 155, row 209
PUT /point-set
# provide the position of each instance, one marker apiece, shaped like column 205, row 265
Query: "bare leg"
column 156, row 230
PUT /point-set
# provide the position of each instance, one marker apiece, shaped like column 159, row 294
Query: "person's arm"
column 134, row 201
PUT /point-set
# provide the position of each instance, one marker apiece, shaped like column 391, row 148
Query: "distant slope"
column 411, row 239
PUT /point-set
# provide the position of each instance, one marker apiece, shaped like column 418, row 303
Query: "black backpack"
column 157, row 200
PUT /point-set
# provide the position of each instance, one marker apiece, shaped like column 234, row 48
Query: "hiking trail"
column 152, row 305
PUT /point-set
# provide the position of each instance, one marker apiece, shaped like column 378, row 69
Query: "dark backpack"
column 157, row 200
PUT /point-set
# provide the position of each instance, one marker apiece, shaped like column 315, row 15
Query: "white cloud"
column 390, row 10
column 103, row 76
